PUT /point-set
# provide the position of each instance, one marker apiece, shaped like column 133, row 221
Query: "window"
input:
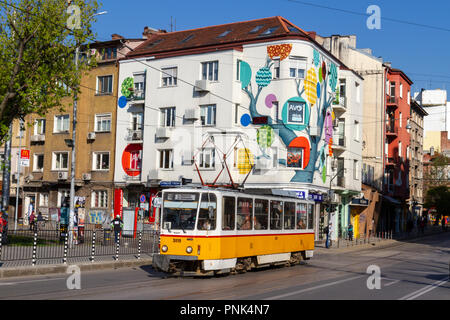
column 400, row 120
column 39, row 126
column 297, row 67
column 269, row 31
column 43, row 200
column 135, row 160
column 400, row 154
column 256, row 29
column 276, row 213
column 223, row 34
column 238, row 70
column 99, row 199
column 229, row 208
column 409, row 97
column 208, row 115
column 236, row 113
column 109, row 53
column 104, row 85
column 244, row 213
column 358, row 92
column 276, row 68
column 210, row 70
column 102, row 122
column 207, row 158
column 356, row 170
column 101, row 161
column 136, row 121
column 392, row 89
column 169, row 76
column 294, row 157
column 63, row 194
column 38, row 162
column 61, row 123
column 289, row 215
column 168, row 117
column 401, row 90
column 295, row 112
column 275, row 111
column 310, row 216
column 60, row 161
column 261, row 214
column 166, row 159
column 139, row 86
column 208, row 212
column 357, row 130
column 301, row 216
column 342, row 88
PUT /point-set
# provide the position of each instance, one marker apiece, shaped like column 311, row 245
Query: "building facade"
column 50, row 139
column 244, row 104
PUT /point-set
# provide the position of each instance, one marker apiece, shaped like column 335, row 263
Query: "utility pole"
column 18, row 179
column 7, row 172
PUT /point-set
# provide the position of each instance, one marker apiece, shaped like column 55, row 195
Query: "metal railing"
column 133, row 135
column 53, row 245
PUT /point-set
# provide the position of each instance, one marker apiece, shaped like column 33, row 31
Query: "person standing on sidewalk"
column 350, row 232
column 326, row 230
column 117, row 225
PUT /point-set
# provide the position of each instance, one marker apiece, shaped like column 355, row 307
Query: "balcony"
column 136, row 178
column 134, row 135
column 391, row 130
column 392, row 102
column 38, row 138
column 340, row 103
column 390, row 161
column 339, row 142
column 139, row 95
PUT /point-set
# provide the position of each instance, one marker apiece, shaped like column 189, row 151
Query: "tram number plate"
column 177, row 240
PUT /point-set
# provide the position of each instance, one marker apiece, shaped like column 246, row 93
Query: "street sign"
column 24, row 158
column 142, row 198
column 157, row 202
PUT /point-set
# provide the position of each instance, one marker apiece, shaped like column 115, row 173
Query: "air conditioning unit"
column 137, row 135
column 202, row 85
column 192, row 114
column 86, row 176
column 91, row 136
column 162, row 133
column 63, row 175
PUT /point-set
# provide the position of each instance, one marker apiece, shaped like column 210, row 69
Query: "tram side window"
column 310, row 216
column 244, row 213
column 208, row 212
column 229, row 208
column 301, row 216
column 261, row 214
column 276, row 213
column 289, row 215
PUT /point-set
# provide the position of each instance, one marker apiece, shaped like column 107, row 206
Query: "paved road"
column 410, row 270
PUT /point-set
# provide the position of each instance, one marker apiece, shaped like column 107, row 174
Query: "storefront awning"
column 390, row 199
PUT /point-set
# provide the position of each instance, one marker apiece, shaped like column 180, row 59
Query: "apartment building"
column 245, row 104
column 50, row 140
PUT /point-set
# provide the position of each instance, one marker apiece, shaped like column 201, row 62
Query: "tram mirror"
column 211, row 212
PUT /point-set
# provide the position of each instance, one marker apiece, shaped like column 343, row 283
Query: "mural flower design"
column 279, row 50
column 263, row 77
column 311, row 86
column 333, row 76
column 316, row 57
column 127, row 84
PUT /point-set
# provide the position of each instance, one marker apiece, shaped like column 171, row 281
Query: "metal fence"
column 58, row 246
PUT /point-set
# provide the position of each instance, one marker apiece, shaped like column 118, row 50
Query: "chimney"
column 149, row 31
column 116, row 36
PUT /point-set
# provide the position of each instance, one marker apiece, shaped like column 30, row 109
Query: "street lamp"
column 73, row 145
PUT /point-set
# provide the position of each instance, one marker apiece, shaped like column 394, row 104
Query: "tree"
column 37, row 45
column 439, row 199
column 319, row 82
column 436, row 172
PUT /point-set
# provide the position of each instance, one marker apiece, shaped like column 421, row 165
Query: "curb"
column 58, row 269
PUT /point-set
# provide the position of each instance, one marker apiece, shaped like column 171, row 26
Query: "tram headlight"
column 189, row 249
column 164, row 248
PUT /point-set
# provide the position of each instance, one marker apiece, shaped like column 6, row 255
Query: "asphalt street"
column 413, row 270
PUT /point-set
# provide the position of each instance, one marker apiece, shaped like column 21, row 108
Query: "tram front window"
column 180, row 210
column 208, row 212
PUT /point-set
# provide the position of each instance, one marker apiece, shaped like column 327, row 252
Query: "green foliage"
column 439, row 198
column 37, row 52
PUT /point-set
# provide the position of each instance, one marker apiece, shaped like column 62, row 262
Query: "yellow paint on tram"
column 226, row 247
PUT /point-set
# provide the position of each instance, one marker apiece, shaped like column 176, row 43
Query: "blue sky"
column 422, row 53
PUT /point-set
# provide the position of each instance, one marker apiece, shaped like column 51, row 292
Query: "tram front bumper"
column 162, row 261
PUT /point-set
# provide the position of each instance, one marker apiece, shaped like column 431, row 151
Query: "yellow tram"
column 213, row 231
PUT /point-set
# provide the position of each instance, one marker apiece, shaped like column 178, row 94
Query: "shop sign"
column 169, row 183
column 315, row 196
column 360, row 201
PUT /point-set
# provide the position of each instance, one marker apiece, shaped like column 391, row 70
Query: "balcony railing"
column 139, row 95
column 391, row 129
column 392, row 101
column 340, row 181
column 133, row 178
column 134, row 135
column 340, row 101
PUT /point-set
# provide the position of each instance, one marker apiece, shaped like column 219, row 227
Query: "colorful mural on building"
column 305, row 149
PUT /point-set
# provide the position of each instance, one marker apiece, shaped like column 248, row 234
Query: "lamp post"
column 73, row 145
column 329, row 194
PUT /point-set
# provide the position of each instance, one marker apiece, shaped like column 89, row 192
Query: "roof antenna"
column 171, row 25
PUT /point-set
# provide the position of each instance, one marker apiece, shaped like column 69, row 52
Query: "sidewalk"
column 83, row 263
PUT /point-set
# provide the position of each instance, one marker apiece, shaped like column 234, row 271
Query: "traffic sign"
column 142, row 198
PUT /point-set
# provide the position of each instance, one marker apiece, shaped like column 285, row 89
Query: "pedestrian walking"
column 326, row 230
column 444, row 227
column 117, row 225
column 32, row 221
column 350, row 232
